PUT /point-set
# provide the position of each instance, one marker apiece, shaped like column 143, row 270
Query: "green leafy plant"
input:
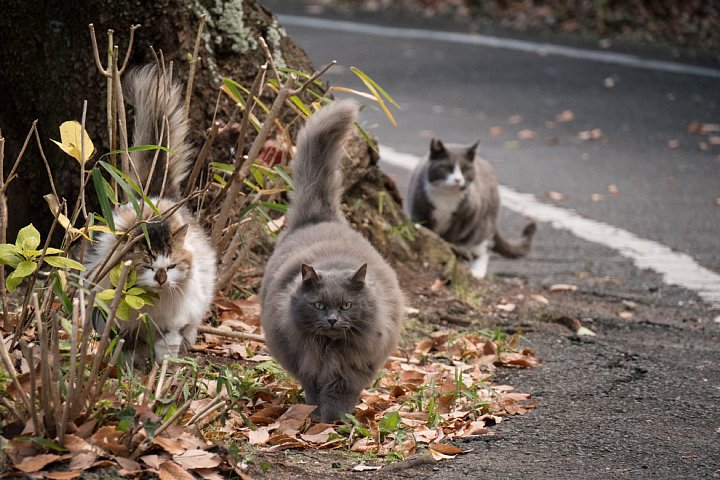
column 132, row 296
column 24, row 257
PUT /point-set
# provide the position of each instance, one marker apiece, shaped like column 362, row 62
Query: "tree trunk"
column 48, row 70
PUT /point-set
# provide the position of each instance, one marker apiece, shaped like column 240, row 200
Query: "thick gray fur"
column 474, row 218
column 335, row 351
column 159, row 120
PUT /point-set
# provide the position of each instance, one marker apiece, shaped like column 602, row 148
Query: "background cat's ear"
column 358, row 280
column 470, row 152
column 309, row 275
column 437, row 149
column 180, row 233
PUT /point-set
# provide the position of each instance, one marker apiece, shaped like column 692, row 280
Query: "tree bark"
column 48, row 70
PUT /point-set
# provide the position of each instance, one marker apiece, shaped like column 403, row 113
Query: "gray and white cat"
column 332, row 307
column 179, row 264
column 455, row 194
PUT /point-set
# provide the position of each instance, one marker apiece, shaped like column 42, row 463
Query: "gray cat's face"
column 334, row 304
column 451, row 167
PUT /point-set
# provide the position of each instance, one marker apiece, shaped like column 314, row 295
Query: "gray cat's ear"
column 437, row 149
column 180, row 233
column 309, row 275
column 358, row 280
column 470, row 152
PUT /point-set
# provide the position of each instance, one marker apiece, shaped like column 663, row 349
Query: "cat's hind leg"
column 478, row 267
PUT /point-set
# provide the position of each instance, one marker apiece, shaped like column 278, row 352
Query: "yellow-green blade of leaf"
column 28, row 238
column 99, row 182
column 64, row 262
column 365, row 77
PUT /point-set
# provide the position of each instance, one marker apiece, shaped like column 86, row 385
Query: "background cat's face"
column 333, row 304
column 166, row 263
column 451, row 167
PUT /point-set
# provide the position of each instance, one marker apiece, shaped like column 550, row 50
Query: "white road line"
column 496, row 42
column 676, row 268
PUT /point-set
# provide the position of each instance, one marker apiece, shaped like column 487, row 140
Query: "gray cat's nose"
column 332, row 321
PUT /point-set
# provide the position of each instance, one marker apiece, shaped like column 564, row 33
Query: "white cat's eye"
column 319, row 306
column 346, row 306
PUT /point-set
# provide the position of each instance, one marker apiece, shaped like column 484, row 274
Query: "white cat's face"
column 164, row 272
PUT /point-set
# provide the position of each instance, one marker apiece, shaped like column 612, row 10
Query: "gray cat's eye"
column 346, row 306
column 319, row 306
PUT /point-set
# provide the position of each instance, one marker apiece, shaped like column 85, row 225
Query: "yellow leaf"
column 71, row 137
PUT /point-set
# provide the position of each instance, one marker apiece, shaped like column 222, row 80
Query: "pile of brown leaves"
column 438, row 391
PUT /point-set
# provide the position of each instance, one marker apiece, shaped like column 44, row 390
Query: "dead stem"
column 270, row 59
column 108, row 327
column 232, row 195
column 231, row 334
column 202, row 157
column 193, row 62
column 144, row 444
column 3, row 225
column 11, row 175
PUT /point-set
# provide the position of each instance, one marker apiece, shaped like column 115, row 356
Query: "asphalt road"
column 641, row 400
column 665, row 182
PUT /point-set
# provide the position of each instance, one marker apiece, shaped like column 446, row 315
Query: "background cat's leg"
column 336, row 399
column 167, row 344
column 478, row 267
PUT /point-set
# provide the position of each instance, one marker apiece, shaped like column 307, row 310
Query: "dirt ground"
column 641, row 399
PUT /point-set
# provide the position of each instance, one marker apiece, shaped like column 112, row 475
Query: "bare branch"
column 314, row 77
column 96, row 54
column 270, row 59
column 129, row 49
column 193, row 62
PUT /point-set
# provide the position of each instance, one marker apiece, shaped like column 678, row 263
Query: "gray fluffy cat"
column 332, row 308
column 455, row 194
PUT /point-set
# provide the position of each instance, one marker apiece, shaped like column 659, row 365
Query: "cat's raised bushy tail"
column 316, row 196
column 515, row 248
column 159, row 120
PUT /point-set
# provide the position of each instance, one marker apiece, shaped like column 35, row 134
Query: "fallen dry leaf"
column 366, row 468
column 714, row 140
column 129, row 467
column 192, row 459
column 437, row 285
column 209, row 474
column 171, row 445
column 613, row 190
column 594, row 134
column 506, row 307
column 172, row 471
column 565, row 116
column 539, row 298
column 68, row 475
column 37, row 462
column 609, row 82
column 597, row 197
column 717, row 201
column 557, row 196
column 562, row 287
column 515, row 119
column 496, row 131
column 527, row 134
column 674, row 143
column 585, row 332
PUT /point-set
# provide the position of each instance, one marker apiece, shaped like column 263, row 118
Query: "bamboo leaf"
column 367, row 80
column 141, row 148
column 103, row 198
